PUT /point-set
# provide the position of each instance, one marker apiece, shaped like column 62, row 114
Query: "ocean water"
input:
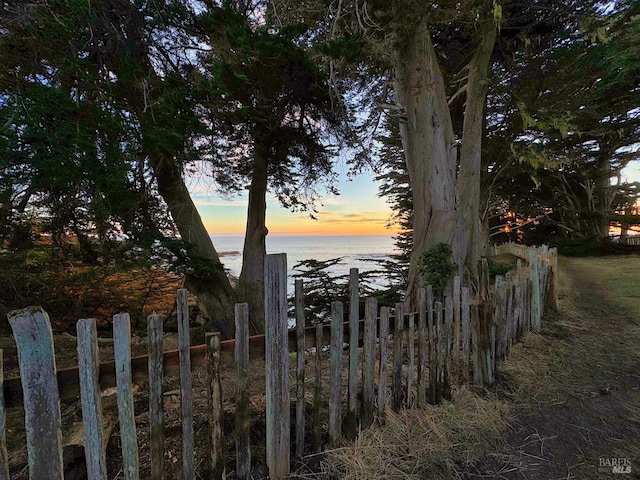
column 356, row 250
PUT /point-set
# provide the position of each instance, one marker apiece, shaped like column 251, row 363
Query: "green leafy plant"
column 437, row 267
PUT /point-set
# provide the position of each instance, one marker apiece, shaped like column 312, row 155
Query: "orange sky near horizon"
column 356, row 211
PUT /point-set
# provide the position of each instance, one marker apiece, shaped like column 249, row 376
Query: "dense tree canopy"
column 466, row 110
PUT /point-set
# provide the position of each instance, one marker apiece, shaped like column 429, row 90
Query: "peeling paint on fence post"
column 300, row 399
column 335, row 379
column 277, row 366
column 88, row 370
column 243, row 415
column 4, row 458
column 214, row 391
column 369, row 361
column 122, row 354
column 156, row 406
column 32, row 332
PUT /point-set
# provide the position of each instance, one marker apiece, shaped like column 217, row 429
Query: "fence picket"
column 4, row 457
column 242, row 415
column 335, row 378
column 350, row 420
column 300, row 402
column 456, row 328
column 423, row 353
column 277, row 365
column 32, row 333
column 184, row 343
column 122, row 354
column 384, row 346
column 88, row 369
column 440, row 351
column 369, row 361
column 398, row 350
column 465, row 327
column 214, row 390
column 411, row 359
column 433, row 351
column 317, row 391
column 448, row 342
column 156, row 406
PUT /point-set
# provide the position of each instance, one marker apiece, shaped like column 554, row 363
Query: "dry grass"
column 530, row 365
column 416, row 444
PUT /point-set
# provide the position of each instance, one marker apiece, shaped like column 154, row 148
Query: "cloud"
column 365, row 217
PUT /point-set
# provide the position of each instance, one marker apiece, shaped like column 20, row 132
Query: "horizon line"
column 314, row 234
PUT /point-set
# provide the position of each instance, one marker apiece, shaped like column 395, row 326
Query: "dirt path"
column 576, row 387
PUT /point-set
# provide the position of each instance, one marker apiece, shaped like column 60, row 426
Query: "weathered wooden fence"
column 396, row 358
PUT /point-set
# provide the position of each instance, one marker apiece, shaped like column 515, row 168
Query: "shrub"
column 437, row 267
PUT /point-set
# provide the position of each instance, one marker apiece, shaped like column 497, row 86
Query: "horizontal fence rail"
column 394, row 358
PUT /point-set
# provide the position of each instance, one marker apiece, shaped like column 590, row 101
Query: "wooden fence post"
column 32, row 333
column 88, row 370
column 448, row 344
column 184, row 344
column 277, row 366
column 475, row 345
column 350, row 420
column 384, row 345
column 4, row 457
column 423, row 353
column 465, row 325
column 440, row 350
column 122, row 354
column 156, row 406
column 369, row 361
column 317, row 392
column 553, row 289
column 214, row 391
column 535, row 290
column 300, row 401
column 433, row 351
column 335, row 378
column 242, row 415
column 411, row 359
column 396, row 380
column 456, row 328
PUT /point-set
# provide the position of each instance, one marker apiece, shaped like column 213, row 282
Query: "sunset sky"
column 357, row 211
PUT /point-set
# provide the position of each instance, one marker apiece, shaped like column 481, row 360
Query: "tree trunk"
column 604, row 194
column 429, row 146
column 251, row 285
column 468, row 242
column 210, row 284
column 446, row 205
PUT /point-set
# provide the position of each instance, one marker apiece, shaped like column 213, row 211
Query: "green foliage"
column 499, row 268
column 576, row 247
column 437, row 267
column 348, row 48
column 322, row 286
